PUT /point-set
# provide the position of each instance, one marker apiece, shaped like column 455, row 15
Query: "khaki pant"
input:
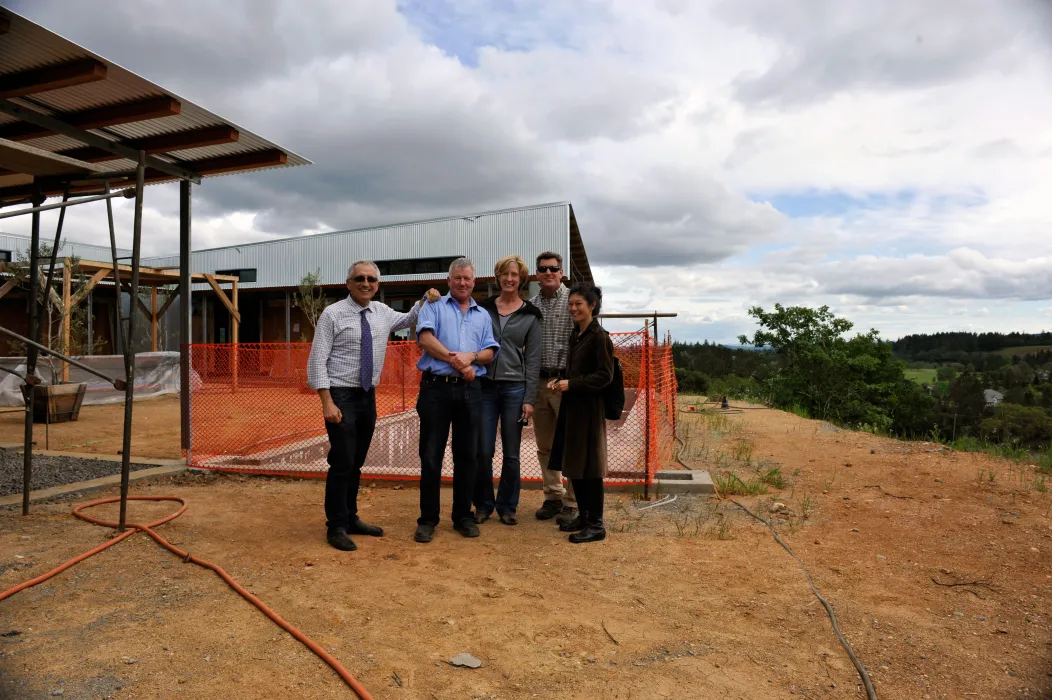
column 545, row 416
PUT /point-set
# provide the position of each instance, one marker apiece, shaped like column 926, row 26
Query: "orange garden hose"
column 188, row 558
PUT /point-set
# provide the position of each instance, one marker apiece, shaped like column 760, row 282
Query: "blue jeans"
column 501, row 401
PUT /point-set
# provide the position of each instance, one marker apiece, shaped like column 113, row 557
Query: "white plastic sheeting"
column 156, row 373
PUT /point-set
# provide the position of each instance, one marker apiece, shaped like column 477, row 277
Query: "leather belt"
column 445, row 378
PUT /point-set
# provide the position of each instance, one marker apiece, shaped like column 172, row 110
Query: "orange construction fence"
column 251, row 411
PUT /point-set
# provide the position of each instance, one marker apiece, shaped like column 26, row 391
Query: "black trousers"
column 443, row 405
column 590, row 494
column 348, row 446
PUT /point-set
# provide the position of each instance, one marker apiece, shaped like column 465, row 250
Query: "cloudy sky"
column 890, row 159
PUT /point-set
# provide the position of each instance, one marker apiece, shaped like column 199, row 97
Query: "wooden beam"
column 83, row 291
column 53, row 77
column 178, row 141
column 172, row 296
column 153, row 318
column 211, row 279
column 5, row 25
column 98, row 117
column 234, row 324
column 241, row 161
column 8, row 286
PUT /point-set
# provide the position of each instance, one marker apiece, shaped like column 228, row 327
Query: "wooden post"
column 234, row 324
column 153, row 317
column 66, row 315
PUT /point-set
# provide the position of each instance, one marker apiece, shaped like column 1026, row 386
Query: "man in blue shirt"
column 456, row 336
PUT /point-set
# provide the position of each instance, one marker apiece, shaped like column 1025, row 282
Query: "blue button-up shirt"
column 458, row 332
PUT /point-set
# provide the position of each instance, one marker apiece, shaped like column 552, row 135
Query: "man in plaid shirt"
column 553, row 301
column 346, row 359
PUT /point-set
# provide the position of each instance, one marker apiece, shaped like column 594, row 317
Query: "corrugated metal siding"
column 84, row 251
column 485, row 238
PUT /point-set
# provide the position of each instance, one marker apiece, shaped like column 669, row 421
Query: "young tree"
column 311, row 298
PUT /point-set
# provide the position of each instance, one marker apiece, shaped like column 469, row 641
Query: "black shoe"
column 508, row 519
column 338, row 538
column 566, row 515
column 424, row 533
column 549, row 509
column 481, row 517
column 467, row 528
column 592, row 532
column 574, row 525
column 362, row 528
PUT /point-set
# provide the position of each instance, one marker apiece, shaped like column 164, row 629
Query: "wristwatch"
column 476, row 357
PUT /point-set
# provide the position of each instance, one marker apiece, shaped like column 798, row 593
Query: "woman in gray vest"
column 508, row 390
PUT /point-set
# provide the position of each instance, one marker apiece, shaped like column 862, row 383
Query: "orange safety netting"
column 252, row 411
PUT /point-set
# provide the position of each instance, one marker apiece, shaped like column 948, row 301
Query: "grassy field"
column 921, row 376
column 1022, row 350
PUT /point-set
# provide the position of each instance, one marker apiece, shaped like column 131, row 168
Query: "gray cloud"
column 695, row 219
column 827, row 46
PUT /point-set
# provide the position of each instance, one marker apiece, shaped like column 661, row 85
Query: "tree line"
column 808, row 361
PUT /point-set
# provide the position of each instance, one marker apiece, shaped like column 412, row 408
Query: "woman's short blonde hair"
column 504, row 263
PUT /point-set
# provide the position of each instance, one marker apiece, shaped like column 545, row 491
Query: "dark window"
column 242, row 275
column 416, row 266
column 5, row 256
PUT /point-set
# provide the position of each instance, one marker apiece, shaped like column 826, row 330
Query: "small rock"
column 465, row 660
column 208, row 659
column 129, row 661
column 775, row 507
column 855, row 529
column 958, row 613
column 1034, row 549
column 981, row 618
column 881, row 556
column 57, row 691
column 873, row 452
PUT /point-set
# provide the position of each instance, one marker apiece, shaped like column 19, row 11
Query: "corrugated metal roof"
column 16, row 243
column 485, row 238
column 29, row 46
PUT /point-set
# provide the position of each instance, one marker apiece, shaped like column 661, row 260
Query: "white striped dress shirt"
column 335, row 353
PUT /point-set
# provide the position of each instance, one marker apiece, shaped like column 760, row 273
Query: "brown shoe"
column 508, row 519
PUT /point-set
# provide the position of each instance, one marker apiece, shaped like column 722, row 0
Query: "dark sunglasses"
column 364, row 278
column 548, row 268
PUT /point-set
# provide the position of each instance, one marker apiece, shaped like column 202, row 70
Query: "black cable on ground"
column 870, row 692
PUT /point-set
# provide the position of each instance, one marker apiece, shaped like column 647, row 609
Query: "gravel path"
column 51, row 470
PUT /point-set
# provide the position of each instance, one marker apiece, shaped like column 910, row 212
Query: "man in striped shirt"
column 556, row 326
column 346, row 358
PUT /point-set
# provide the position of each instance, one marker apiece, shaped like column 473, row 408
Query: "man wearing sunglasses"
column 346, row 358
column 556, row 326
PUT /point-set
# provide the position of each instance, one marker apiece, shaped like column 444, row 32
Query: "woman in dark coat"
column 579, row 447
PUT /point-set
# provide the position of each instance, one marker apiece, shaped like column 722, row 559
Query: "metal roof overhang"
column 58, row 98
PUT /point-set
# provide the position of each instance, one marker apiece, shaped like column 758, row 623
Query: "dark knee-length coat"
column 579, row 446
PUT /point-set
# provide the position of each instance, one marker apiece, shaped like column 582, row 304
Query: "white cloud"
column 925, row 129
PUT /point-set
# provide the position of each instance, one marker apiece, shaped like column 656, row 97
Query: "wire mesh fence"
column 251, row 411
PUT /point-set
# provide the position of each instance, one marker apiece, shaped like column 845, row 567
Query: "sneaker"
column 424, row 533
column 566, row 515
column 338, row 538
column 467, row 528
column 548, row 510
column 362, row 528
column 577, row 523
column 592, row 532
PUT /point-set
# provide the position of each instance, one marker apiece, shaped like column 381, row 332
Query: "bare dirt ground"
column 155, row 429
column 691, row 599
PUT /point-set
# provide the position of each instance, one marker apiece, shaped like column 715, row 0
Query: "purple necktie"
column 367, row 353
